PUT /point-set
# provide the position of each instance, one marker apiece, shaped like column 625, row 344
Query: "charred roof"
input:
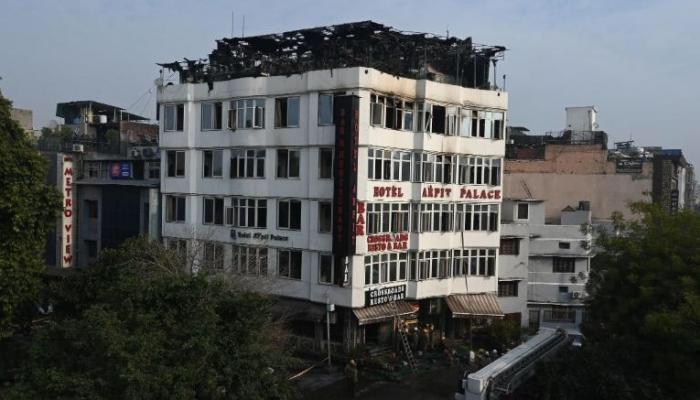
column 358, row 44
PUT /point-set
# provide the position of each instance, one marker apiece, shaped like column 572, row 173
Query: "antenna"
column 233, row 22
column 243, row 27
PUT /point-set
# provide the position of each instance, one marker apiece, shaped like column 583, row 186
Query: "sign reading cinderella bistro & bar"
column 385, row 294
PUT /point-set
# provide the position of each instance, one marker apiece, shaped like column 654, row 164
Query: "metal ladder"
column 404, row 340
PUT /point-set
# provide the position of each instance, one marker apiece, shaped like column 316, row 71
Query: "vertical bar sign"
column 346, row 115
column 67, row 217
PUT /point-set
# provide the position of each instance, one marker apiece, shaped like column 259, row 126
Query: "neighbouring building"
column 25, row 118
column 351, row 164
column 576, row 164
column 109, row 175
column 544, row 268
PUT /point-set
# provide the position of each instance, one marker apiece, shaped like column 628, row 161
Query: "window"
column 91, row 206
column 248, row 213
column 563, row 289
column 477, row 217
column 288, row 163
column 325, row 268
column 497, row 126
column 287, row 112
column 176, row 163
column 476, row 262
column 508, row 288
column 247, row 163
column 324, row 216
column 564, row 245
column 289, row 214
column 465, row 123
column 179, row 246
column 213, row 211
column 174, row 116
column 91, row 246
column 389, row 165
column 246, row 114
column 479, row 171
column 434, row 264
column 153, row 169
column 563, row 265
column 439, row 115
column 559, row 314
column 249, row 260
column 325, row 109
column 213, row 163
column 175, row 208
column 510, row 247
column 523, row 211
column 408, row 115
column 325, row 163
column 399, row 217
column 383, row 268
column 376, row 109
column 388, row 217
column 289, row 264
column 211, row 116
column 213, row 256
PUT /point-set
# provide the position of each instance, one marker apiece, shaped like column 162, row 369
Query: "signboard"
column 387, row 242
column 674, row 201
column 479, row 194
column 120, row 170
column 374, row 297
column 67, row 216
column 629, row 166
column 235, row 234
column 387, row 192
column 346, row 115
column 360, row 222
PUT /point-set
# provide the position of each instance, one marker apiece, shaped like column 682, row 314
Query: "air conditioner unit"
column 135, row 153
column 576, row 295
column 78, row 148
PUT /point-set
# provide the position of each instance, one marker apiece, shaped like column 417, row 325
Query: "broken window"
column 174, row 115
column 288, row 163
column 482, row 124
column 211, row 116
column 439, row 118
column 213, row 163
column 325, row 109
column 376, row 110
column 174, row 208
column 497, row 125
column 465, row 123
column 287, row 112
column 246, row 114
column 289, row 214
column 325, row 163
column 324, row 216
column 392, row 119
column 408, row 116
column 424, row 117
column 176, row 164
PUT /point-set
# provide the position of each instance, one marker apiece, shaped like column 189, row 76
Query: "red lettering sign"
column 476, row 194
column 387, row 191
column 436, row 192
column 387, row 242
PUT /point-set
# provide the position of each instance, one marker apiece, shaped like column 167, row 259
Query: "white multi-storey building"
column 376, row 191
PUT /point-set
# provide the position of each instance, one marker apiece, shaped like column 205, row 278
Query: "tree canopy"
column 28, row 209
column 643, row 314
column 136, row 326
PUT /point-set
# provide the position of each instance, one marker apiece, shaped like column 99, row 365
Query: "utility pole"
column 329, row 309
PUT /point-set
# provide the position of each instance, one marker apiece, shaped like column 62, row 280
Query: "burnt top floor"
column 358, row 44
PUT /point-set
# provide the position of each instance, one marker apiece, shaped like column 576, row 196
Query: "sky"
column 636, row 60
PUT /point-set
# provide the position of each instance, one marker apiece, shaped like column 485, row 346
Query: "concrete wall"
column 23, row 117
column 572, row 173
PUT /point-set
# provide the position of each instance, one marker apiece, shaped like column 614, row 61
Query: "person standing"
column 351, row 376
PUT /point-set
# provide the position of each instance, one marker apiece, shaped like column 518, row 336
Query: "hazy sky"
column 637, row 60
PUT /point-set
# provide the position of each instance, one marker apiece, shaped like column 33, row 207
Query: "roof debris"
column 366, row 44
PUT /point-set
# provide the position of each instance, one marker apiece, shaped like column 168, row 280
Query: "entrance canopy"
column 474, row 305
column 382, row 312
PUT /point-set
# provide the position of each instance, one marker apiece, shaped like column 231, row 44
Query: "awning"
column 474, row 305
column 382, row 312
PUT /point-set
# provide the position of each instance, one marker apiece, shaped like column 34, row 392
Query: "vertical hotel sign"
column 346, row 116
column 67, row 217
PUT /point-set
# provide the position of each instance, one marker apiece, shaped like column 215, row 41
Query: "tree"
column 137, row 326
column 28, row 209
column 643, row 315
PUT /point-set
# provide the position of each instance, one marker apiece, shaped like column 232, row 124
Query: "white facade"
column 582, row 119
column 313, row 189
column 557, row 260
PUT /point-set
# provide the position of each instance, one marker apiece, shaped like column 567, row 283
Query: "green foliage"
column 28, row 209
column 500, row 334
column 643, row 315
column 135, row 326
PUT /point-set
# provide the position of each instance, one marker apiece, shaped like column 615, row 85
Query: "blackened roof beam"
column 358, row 44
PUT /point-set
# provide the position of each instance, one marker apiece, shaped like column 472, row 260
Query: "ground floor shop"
column 425, row 322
